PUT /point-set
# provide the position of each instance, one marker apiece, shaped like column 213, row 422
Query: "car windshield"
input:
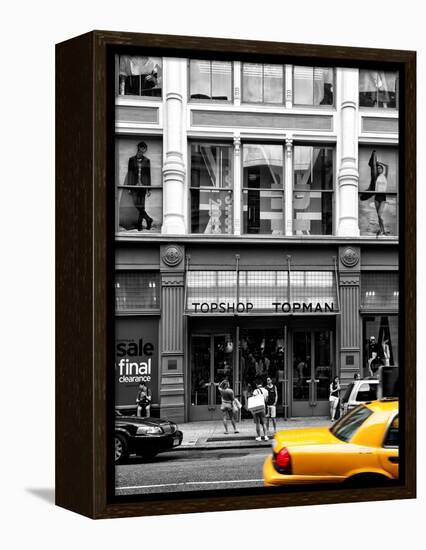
column 345, row 428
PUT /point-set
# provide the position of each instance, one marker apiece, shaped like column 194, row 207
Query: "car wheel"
column 149, row 455
column 121, row 451
column 365, row 480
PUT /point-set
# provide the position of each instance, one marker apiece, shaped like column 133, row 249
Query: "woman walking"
column 334, row 397
column 227, row 406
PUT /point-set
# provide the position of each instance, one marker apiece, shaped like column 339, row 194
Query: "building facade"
column 256, row 230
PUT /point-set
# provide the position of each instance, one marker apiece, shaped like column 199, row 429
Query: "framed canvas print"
column 235, row 274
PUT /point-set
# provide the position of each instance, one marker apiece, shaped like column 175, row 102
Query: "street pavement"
column 192, row 470
column 207, row 459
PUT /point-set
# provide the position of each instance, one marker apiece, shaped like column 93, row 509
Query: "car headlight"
column 149, row 430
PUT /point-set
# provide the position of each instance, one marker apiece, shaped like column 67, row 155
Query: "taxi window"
column 367, row 392
column 392, row 437
column 345, row 428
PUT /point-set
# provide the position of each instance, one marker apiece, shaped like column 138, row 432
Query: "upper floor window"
column 378, row 190
column 210, row 80
column 313, row 85
column 313, row 190
column 139, row 193
column 140, row 75
column 137, row 290
column 378, row 89
column 263, row 190
column 263, row 83
column 211, row 188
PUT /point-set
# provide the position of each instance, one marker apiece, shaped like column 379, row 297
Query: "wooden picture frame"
column 85, row 267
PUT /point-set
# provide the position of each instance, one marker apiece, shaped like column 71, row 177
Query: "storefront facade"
column 254, row 248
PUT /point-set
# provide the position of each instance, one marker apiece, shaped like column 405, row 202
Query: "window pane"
column 316, row 287
column 211, row 211
column 200, row 79
column 140, row 75
column 380, row 334
column 378, row 211
column 386, row 89
column 323, row 86
column 273, row 84
column 211, row 207
column 137, row 290
column 263, row 166
column 263, row 212
column 303, row 85
column 367, row 88
column 221, row 80
column 378, row 89
column 211, row 165
column 139, row 196
column 313, row 213
column 379, row 290
column 313, row 210
column 252, row 82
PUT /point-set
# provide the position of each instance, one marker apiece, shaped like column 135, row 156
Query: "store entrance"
column 312, row 361
column 212, row 361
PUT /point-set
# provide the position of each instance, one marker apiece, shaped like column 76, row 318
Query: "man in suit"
column 139, row 175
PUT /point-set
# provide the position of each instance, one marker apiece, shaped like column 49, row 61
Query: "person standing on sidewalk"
column 259, row 416
column 227, row 406
column 334, row 397
column 271, row 404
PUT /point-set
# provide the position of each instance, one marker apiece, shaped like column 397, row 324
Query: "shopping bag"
column 236, row 405
column 256, row 403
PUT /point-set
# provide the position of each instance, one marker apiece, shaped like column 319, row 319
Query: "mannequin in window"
column 139, row 175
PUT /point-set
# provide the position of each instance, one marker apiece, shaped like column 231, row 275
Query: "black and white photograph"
column 257, row 254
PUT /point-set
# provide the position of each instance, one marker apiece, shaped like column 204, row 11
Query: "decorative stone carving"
column 172, row 256
column 349, row 257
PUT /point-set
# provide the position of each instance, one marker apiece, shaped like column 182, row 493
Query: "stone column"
column 174, row 142
column 237, row 184
column 349, row 318
column 172, row 331
column 348, row 174
column 288, row 187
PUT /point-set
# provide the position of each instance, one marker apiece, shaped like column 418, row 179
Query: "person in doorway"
column 139, row 175
column 334, row 397
column 227, row 406
column 271, row 404
column 259, row 416
column 143, row 401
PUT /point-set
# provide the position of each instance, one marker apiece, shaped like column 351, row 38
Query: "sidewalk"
column 210, row 434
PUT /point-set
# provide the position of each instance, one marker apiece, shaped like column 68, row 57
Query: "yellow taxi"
column 360, row 447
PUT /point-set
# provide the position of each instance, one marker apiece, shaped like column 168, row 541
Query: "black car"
column 144, row 436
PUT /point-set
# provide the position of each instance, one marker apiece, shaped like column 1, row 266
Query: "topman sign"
column 250, row 307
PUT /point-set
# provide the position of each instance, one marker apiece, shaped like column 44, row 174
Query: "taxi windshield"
column 345, row 428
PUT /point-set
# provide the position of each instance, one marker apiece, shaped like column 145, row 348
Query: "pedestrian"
column 357, row 376
column 271, row 403
column 334, row 397
column 227, row 406
column 259, row 416
column 143, row 401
